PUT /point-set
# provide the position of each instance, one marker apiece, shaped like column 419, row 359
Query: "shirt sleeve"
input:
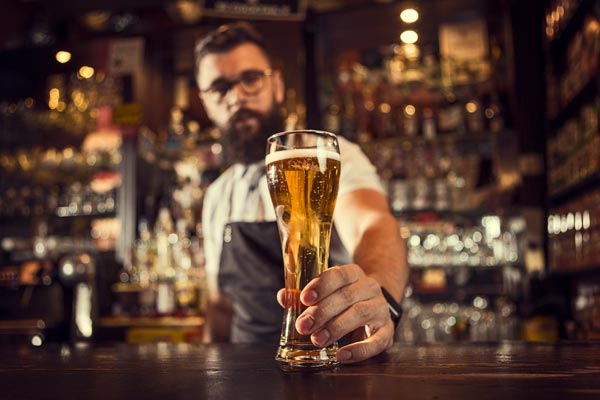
column 357, row 170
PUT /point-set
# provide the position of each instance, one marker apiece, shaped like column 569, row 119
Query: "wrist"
column 394, row 307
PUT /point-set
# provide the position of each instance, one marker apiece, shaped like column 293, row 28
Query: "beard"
column 244, row 138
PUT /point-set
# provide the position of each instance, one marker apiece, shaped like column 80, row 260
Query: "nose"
column 236, row 96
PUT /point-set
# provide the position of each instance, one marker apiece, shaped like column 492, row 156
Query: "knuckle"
column 362, row 311
column 341, row 274
column 318, row 313
column 336, row 328
column 347, row 295
column 373, row 285
column 356, row 270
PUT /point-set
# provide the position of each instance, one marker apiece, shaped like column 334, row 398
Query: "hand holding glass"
column 303, row 173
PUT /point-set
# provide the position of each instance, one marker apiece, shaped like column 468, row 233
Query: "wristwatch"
column 395, row 308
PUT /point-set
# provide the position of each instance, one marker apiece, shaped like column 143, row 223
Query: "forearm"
column 381, row 253
column 371, row 234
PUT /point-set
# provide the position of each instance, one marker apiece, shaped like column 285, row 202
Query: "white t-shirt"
column 241, row 194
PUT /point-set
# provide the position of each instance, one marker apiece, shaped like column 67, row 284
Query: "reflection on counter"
column 478, row 321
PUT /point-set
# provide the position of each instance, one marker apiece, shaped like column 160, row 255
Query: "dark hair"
column 225, row 38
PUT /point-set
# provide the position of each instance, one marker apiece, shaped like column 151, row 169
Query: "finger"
column 288, row 297
column 379, row 341
column 330, row 281
column 360, row 314
column 336, row 303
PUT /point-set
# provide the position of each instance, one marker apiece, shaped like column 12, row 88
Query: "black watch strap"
column 395, row 308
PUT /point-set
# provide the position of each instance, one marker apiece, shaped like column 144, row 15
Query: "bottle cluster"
column 574, row 153
column 574, row 234
column 364, row 104
column 581, row 66
column 166, row 276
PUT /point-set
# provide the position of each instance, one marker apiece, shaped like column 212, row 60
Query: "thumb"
column 287, row 297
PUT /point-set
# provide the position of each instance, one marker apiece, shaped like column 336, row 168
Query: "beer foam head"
column 301, row 153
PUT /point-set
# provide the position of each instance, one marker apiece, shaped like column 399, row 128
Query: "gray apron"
column 251, row 273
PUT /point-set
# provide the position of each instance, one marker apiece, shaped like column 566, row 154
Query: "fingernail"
column 321, row 337
column 310, row 296
column 343, row 355
column 304, row 324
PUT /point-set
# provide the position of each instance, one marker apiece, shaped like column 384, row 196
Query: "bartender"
column 357, row 297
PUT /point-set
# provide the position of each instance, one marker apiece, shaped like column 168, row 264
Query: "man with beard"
column 242, row 94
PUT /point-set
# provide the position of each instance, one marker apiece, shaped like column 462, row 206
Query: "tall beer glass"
column 303, row 173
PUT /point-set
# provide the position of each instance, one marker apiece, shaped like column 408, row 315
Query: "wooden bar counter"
column 506, row 371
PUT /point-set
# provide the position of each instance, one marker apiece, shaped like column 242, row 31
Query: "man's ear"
column 278, row 86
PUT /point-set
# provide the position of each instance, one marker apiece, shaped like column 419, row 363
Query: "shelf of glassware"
column 467, row 239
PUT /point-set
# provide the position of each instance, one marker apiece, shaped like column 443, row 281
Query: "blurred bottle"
column 399, row 188
column 144, row 260
column 165, row 272
column 451, row 116
column 474, row 113
column 411, row 121
column 332, row 121
column 494, row 114
column 185, row 291
column 429, row 126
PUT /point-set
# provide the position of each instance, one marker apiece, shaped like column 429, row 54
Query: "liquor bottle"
column 420, row 182
column 450, row 116
column 291, row 117
column 441, row 189
column 399, row 189
column 411, row 121
column 331, row 120
column 429, row 127
column 185, row 293
column 494, row 114
column 165, row 273
column 384, row 125
column 177, row 132
column 144, row 260
column 474, row 113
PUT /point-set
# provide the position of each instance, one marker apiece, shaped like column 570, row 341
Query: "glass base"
column 302, row 357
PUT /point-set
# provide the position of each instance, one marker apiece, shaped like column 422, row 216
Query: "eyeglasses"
column 251, row 82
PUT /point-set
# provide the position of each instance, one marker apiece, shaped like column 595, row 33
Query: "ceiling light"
column 96, row 20
column 86, row 72
column 63, row 56
column 409, row 15
column 409, row 37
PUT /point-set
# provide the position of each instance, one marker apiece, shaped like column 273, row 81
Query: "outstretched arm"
column 348, row 299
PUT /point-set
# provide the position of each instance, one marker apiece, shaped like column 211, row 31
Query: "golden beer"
column 303, row 184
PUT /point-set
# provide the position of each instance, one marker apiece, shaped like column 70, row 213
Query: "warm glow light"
column 411, row 51
column 409, row 37
column 216, row 148
column 471, row 107
column 409, row 15
column 410, row 110
column 385, row 108
column 86, row 72
column 63, row 56
column 36, row 340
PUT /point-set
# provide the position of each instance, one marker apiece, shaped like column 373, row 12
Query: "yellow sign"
column 127, row 114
